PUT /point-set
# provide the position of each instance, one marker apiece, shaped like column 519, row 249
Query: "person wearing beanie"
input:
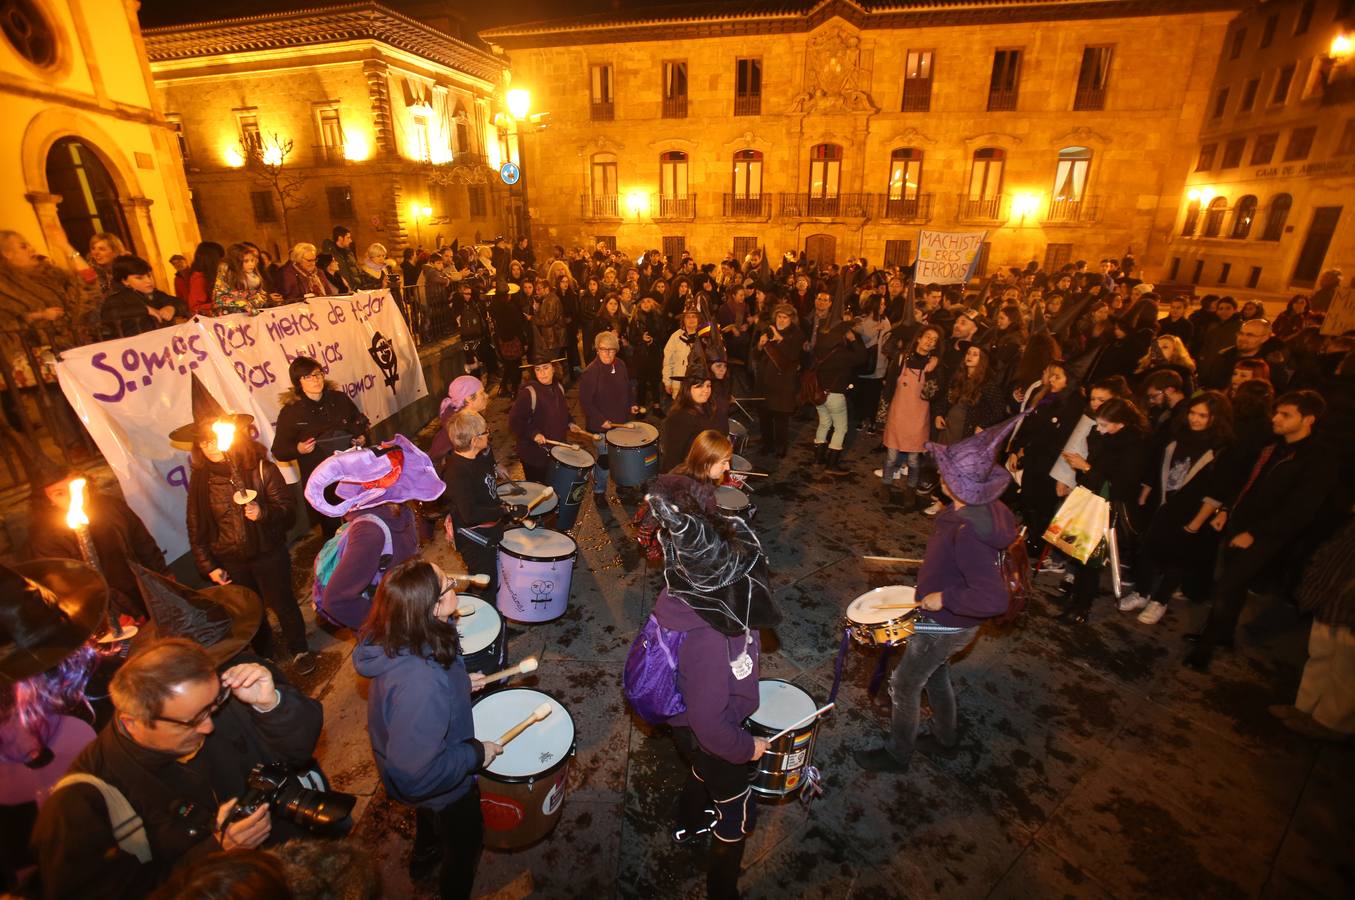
column 315, row 420
column 959, row 586
column 605, row 395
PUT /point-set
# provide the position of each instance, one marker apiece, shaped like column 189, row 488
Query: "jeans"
column 270, row 576
column 913, row 460
column 458, row 830
column 600, row 466
column 925, row 664
column 832, row 414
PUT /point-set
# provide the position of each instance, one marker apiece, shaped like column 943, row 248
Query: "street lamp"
column 519, row 102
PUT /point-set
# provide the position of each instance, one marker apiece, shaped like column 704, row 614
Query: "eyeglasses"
column 320, row 375
column 221, row 699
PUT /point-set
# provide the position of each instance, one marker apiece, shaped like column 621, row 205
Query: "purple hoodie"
column 962, row 563
column 346, row 595
column 717, row 702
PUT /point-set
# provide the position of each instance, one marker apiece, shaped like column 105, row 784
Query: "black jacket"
column 1117, row 462
column 334, row 420
column 1293, row 484
column 836, row 358
column 680, row 428
column 124, row 310
column 218, row 531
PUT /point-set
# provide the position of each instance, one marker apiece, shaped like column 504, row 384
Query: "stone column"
column 53, row 235
column 378, row 92
column 137, row 211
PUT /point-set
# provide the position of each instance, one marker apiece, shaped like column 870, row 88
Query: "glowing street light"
column 234, row 158
column 1025, row 205
column 519, row 103
column 1342, row 46
column 638, row 203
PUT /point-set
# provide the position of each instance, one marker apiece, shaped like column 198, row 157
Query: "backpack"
column 129, row 831
column 1014, row 564
column 649, row 679
column 327, row 560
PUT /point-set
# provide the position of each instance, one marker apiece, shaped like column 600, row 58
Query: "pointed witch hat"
column 48, row 608
column 970, row 467
column 206, row 411
column 223, row 619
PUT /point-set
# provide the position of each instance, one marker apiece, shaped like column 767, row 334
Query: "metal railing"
column 674, row 207
column 981, row 209
column 674, row 107
column 332, row 156
column 427, row 309
column 1067, row 210
column 917, row 95
column 600, row 206
column 602, row 110
column 1090, row 99
column 907, row 209
column 735, row 206
column 747, row 104
column 846, row 206
column 1001, row 101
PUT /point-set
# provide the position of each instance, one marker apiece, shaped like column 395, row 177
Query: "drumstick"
column 898, row 606
column 891, row 560
column 545, row 495
column 789, row 728
column 745, row 472
column 522, row 668
column 537, row 715
column 625, row 425
column 562, row 444
column 463, row 611
column 463, row 580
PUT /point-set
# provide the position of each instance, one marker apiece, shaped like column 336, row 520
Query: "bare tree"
column 266, row 160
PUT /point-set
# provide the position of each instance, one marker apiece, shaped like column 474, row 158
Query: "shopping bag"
column 1080, row 524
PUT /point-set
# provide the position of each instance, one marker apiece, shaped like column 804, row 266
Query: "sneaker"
column 878, row 473
column 682, row 835
column 1153, row 613
column 1052, row 566
column 1132, row 601
column 303, row 663
column 934, row 509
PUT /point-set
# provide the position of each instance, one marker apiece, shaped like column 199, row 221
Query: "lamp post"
column 519, row 106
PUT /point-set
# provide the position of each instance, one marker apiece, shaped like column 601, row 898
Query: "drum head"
column 739, row 464
column 538, row 543
column 727, row 497
column 737, row 428
column 531, row 490
column 480, row 628
column 637, row 435
column 572, row 456
column 866, row 608
column 780, row 704
column 541, row 747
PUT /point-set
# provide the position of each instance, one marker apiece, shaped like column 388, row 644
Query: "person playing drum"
column 607, row 401
column 961, row 584
column 540, row 414
column 692, row 413
column 716, row 594
column 419, row 720
column 465, row 392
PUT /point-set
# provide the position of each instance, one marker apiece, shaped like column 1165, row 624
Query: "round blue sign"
column 510, row 173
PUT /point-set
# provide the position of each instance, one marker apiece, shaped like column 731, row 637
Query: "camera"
column 297, row 794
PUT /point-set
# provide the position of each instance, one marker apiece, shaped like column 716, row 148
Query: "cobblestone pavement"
column 1091, row 763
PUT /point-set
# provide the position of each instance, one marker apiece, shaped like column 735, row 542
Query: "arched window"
column 673, row 174
column 985, row 184
column 1213, row 216
column 905, row 182
column 1070, row 177
column 825, row 177
column 1276, row 216
column 89, row 198
column 746, row 198
column 604, row 190
column 1243, row 214
column 1192, row 219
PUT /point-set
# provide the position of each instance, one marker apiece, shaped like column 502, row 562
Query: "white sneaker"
column 934, row 509
column 1052, row 566
column 1132, row 601
column 1153, row 613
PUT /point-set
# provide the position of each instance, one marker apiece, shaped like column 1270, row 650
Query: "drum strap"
column 837, row 665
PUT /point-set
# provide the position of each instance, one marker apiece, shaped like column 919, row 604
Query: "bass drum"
column 536, row 571
column 633, row 453
column 523, row 790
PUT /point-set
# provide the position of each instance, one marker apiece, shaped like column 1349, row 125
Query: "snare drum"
column 733, row 501
column 742, row 465
column 484, row 636
column 780, row 705
column 569, row 472
column 876, row 627
column 530, row 491
column 633, row 453
column 523, row 790
column 738, row 435
column 536, row 568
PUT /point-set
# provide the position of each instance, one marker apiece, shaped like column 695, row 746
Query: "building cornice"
column 317, row 26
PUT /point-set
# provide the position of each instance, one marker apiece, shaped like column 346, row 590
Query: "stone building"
column 843, row 128
column 1270, row 192
column 379, row 122
column 86, row 147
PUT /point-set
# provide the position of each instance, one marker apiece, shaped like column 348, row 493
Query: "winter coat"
column 1293, row 485
column 218, row 531
column 962, row 562
column 124, row 311
column 837, row 358
column 548, row 324
column 547, row 414
column 605, row 394
column 509, row 323
column 293, row 284
column 334, row 420
column 347, row 259
column 40, row 287
column 647, row 358
column 675, row 356
column 778, row 371
column 1117, row 461
column 680, row 428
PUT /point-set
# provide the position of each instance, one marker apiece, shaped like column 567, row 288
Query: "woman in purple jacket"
column 540, row 414
column 715, row 593
column 960, row 585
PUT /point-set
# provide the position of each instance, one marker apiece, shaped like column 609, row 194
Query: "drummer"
column 478, row 515
column 692, row 413
column 540, row 414
column 607, row 400
column 465, row 392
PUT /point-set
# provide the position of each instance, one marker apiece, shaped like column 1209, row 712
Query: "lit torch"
column 78, row 522
column 225, row 436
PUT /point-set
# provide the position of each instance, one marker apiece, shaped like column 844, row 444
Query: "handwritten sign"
column 1340, row 316
column 947, row 257
column 132, row 392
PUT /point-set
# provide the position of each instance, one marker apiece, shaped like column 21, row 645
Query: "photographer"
column 179, row 750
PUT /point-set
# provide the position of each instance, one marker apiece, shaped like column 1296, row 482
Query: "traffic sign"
column 510, row 173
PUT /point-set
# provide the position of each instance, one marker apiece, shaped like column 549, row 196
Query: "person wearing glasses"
column 300, row 277
column 476, row 515
column 176, row 755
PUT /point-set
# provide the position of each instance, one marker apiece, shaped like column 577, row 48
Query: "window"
column 981, row 261
column 89, row 198
column 1282, row 82
column 1213, row 217
column 898, row 253
column 673, row 247
column 1092, row 78
column 1056, row 256
column 176, row 124
column 746, row 197
column 1268, row 32
column 1175, row 268
column 748, row 86
column 917, row 81
column 1300, row 142
column 1248, row 95
column 1070, row 184
column 1005, row 80
column 1239, row 39
column 603, row 183
column 1224, row 271
column 1220, row 103
column 743, row 246
column 1206, row 160
column 340, row 199
column 1192, row 218
column 462, row 122
column 250, row 137
column 330, row 129
column 1305, row 19
column 1199, row 272
column 475, row 196
column 675, row 90
column 984, row 200
column 1243, row 215
column 905, row 178
column 1346, row 146
column 607, row 240
column 601, row 101
column 673, row 174
column 1263, row 151
column 265, row 211
column 419, row 144
column 1276, row 215
column 1254, row 278
column 1232, row 153
column 28, row 32
column 825, row 175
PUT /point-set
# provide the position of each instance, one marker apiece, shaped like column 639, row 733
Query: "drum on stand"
column 738, row 435
column 876, row 620
column 633, row 453
column 780, row 771
column 523, row 790
column 740, row 464
column 522, row 493
column 536, row 569
column 484, row 636
column 734, row 502
column 570, row 469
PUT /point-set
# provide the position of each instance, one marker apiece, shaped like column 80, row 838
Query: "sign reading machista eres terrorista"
column 947, row 257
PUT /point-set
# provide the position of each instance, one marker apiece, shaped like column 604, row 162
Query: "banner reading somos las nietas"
column 947, row 257
column 132, row 392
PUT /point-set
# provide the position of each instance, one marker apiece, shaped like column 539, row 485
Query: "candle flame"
column 225, row 434
column 75, row 513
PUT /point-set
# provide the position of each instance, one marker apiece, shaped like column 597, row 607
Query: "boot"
column 907, row 497
column 820, row 454
column 835, row 464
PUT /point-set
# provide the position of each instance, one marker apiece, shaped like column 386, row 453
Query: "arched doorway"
column 89, row 198
column 821, row 249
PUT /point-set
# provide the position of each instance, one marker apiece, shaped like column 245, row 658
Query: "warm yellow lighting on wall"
column 272, row 156
column 426, row 210
column 637, row 202
column 355, row 148
column 1342, row 47
column 234, row 158
column 1200, row 195
column 519, row 103
column 1025, row 205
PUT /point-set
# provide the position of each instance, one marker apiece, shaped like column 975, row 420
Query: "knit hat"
column 206, row 412
column 48, row 608
column 459, row 392
column 222, row 619
column 970, row 468
column 365, row 477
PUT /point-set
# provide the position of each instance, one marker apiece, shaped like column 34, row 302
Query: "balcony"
column 843, row 206
column 980, row 209
column 674, row 208
column 673, row 107
column 747, row 104
column 600, row 206
column 329, row 156
column 602, row 110
column 737, row 206
column 1001, row 101
column 1090, row 99
column 906, row 209
column 1067, row 211
column 917, row 95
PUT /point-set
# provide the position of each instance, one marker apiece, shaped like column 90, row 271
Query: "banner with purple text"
column 132, row 392
column 947, row 257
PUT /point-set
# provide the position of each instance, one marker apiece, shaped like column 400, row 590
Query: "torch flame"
column 225, row 434
column 75, row 514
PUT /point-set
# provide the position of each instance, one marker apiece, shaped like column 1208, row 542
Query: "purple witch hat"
column 970, row 467
column 362, row 478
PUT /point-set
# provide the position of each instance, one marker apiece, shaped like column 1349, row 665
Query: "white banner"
column 132, row 392
column 947, row 257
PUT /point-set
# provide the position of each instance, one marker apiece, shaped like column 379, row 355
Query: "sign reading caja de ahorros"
column 131, row 392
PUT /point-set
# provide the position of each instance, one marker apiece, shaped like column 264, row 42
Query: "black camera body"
column 294, row 793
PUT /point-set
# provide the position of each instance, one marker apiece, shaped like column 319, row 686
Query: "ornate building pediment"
column 674, row 144
column 749, row 141
column 992, row 137
column 836, row 77
column 910, row 137
column 600, row 144
column 1084, row 136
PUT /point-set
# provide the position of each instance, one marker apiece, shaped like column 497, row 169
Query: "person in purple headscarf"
column 465, row 392
column 959, row 585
